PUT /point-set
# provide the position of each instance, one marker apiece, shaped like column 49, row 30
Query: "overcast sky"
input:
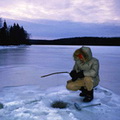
column 89, row 12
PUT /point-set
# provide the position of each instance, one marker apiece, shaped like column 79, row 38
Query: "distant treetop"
column 12, row 35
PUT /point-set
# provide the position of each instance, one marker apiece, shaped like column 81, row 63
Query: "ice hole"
column 59, row 104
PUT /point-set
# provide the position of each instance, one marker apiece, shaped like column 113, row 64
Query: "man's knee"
column 71, row 86
column 88, row 83
column 88, row 80
column 68, row 86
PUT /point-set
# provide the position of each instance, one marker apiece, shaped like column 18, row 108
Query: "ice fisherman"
column 85, row 73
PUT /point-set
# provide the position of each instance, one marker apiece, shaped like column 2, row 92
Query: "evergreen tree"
column 14, row 35
column 0, row 22
column 4, row 34
column 5, row 25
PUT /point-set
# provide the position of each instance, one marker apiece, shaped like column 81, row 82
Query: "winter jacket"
column 91, row 65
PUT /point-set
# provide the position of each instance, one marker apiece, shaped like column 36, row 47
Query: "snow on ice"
column 30, row 102
column 29, row 97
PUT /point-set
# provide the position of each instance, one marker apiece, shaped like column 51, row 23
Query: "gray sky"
column 104, row 12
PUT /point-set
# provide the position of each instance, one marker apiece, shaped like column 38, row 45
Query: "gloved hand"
column 74, row 75
column 80, row 74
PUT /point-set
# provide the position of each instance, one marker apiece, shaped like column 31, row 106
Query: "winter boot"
column 83, row 93
column 89, row 96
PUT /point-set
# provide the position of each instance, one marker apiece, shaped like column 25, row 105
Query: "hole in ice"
column 59, row 104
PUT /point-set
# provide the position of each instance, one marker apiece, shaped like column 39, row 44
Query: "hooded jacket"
column 90, row 66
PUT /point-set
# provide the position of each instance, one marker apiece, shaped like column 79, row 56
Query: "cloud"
column 86, row 11
column 49, row 29
column 116, row 9
column 93, row 11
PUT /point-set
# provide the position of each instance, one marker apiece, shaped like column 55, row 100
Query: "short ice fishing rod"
column 54, row 74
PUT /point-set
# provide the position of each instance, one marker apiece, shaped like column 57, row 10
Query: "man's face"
column 81, row 57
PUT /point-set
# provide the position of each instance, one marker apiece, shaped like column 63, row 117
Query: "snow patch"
column 30, row 102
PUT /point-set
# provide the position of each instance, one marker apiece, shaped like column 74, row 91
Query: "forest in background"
column 114, row 41
column 16, row 35
column 12, row 35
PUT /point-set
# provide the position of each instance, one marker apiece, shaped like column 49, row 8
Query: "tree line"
column 112, row 41
column 12, row 35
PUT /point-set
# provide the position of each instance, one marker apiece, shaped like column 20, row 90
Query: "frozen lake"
column 24, row 65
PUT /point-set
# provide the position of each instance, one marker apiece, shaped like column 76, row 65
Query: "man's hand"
column 80, row 74
column 74, row 75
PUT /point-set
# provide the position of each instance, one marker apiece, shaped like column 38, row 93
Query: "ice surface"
column 30, row 102
column 27, row 96
column 23, row 65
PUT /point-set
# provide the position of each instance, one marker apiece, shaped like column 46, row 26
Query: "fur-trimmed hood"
column 85, row 51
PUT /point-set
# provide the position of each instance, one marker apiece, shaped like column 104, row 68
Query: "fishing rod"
column 54, row 74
